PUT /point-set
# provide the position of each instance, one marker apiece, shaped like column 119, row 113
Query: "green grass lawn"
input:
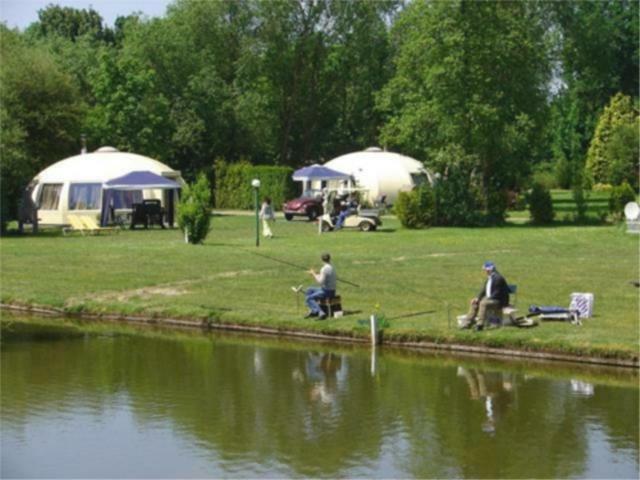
column 419, row 280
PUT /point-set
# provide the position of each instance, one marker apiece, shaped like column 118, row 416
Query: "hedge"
column 233, row 184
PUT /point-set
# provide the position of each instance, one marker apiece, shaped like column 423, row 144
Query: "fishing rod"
column 297, row 266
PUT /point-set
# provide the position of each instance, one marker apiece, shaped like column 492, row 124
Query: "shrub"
column 602, row 187
column 620, row 196
column 550, row 175
column 415, row 209
column 233, row 184
column 613, row 151
column 458, row 199
column 194, row 210
column 540, row 205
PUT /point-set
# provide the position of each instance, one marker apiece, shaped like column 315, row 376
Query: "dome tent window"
column 50, row 196
column 126, row 198
column 84, row 196
column 419, row 179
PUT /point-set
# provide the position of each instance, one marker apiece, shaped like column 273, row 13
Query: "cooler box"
column 583, row 303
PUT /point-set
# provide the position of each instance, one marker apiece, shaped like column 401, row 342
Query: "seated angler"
column 491, row 299
column 327, row 280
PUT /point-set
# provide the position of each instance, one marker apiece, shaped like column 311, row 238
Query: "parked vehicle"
column 309, row 205
column 367, row 220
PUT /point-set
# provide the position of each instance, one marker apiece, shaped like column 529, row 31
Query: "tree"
column 613, row 152
column 472, row 74
column 71, row 23
column 597, row 45
column 41, row 113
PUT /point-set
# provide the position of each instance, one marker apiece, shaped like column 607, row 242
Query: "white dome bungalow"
column 77, row 185
column 379, row 173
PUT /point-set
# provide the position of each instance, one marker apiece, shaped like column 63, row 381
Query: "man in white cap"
column 491, row 299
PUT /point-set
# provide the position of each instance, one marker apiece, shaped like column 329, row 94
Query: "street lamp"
column 255, row 183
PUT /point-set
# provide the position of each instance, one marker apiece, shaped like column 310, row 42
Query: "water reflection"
column 493, row 389
column 220, row 406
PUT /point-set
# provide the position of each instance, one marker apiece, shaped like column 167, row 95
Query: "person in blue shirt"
column 351, row 208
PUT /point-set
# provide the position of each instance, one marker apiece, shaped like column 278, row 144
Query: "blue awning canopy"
column 140, row 181
column 318, row 172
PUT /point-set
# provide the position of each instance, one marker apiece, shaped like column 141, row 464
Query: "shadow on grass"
column 589, row 222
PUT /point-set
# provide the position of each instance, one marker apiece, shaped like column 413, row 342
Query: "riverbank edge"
column 306, row 334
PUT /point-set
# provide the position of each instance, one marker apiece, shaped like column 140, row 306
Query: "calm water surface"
column 94, row 400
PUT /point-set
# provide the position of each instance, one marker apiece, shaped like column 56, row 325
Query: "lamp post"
column 255, row 183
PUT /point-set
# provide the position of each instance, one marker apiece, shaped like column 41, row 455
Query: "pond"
column 104, row 400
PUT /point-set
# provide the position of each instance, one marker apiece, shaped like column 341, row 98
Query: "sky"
column 21, row 13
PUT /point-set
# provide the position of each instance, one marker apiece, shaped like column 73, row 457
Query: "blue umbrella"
column 318, row 172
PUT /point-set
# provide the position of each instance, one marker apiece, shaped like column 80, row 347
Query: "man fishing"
column 492, row 298
column 327, row 279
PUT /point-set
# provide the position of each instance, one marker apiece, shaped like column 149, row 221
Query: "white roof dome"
column 374, row 159
column 104, row 164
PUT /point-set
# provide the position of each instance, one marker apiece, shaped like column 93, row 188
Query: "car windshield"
column 311, row 194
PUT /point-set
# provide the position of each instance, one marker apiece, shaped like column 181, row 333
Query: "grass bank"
column 419, row 280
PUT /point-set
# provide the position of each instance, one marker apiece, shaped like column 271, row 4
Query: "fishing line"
column 306, row 269
column 291, row 264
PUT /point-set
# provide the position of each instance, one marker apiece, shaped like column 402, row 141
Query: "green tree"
column 129, row 112
column 472, row 74
column 597, row 56
column 540, row 205
column 71, row 23
column 613, row 152
column 40, row 114
column 194, row 210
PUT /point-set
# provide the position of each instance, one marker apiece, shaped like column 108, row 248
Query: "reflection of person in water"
column 324, row 370
column 494, row 389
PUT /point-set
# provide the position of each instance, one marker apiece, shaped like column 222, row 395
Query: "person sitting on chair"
column 493, row 297
column 350, row 208
column 327, row 280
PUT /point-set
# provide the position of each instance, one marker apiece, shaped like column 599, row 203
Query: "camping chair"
column 91, row 225
column 75, row 225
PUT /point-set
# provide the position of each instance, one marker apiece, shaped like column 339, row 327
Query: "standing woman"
column 267, row 216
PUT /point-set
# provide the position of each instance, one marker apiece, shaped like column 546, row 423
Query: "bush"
column 620, row 196
column 415, row 209
column 458, row 199
column 233, row 184
column 540, row 205
column 194, row 210
column 550, row 175
column 613, row 152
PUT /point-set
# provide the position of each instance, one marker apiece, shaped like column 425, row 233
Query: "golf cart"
column 367, row 220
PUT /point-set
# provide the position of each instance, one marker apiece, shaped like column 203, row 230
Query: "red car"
column 309, row 205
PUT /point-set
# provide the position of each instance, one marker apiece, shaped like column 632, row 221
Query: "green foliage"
column 449, row 87
column 416, row 209
column 40, row 115
column 71, row 23
column 547, row 174
column 540, row 205
column 233, row 184
column 457, row 190
column 622, row 153
column 620, row 196
column 580, row 200
column 194, row 210
column 613, row 153
column 597, row 48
